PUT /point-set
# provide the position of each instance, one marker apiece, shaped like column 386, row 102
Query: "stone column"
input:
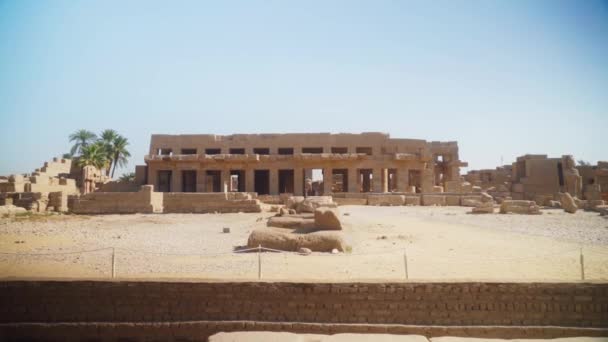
column 200, row 180
column 403, row 179
column 249, row 179
column 427, row 180
column 377, row 180
column 298, row 181
column 176, row 180
column 273, row 178
column 327, row 181
column 384, row 180
column 225, row 180
column 353, row 184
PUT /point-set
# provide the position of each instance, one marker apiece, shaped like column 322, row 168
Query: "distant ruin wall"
column 193, row 202
column 143, row 201
column 390, row 199
column 119, row 186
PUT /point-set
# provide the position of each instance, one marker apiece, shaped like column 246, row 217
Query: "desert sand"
column 440, row 243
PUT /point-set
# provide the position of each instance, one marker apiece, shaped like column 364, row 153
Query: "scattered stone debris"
column 519, row 207
column 304, row 251
column 327, row 219
column 486, row 206
column 568, row 202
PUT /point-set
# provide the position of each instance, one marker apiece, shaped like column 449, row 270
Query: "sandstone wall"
column 467, row 303
column 143, row 201
column 197, row 202
column 119, row 186
column 195, row 308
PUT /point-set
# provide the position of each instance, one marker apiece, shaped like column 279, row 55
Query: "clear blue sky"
column 503, row 78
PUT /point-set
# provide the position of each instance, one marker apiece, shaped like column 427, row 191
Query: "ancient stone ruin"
column 312, row 224
column 242, row 172
column 45, row 189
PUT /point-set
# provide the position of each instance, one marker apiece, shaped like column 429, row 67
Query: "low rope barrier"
column 261, row 249
column 56, row 253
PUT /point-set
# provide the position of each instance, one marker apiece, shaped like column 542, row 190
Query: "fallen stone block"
column 485, row 197
column 592, row 204
column 568, row 202
column 483, row 208
column 350, row 201
column 293, row 201
column 317, row 241
column 11, row 210
column 327, row 219
column 291, row 221
column 470, row 200
column 519, row 207
column 311, row 203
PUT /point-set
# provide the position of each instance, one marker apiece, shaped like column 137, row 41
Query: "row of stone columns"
column 379, row 181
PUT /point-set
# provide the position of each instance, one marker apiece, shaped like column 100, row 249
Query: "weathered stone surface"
column 304, row 251
column 327, row 219
column 291, row 221
column 592, row 204
column 311, row 203
column 433, row 200
column 469, row 202
column 485, row 197
column 318, row 241
column 452, row 200
column 555, row 204
column 483, row 208
column 412, row 200
column 11, row 210
column 292, row 202
column 303, row 306
column 386, row 200
column 519, row 207
column 568, row 202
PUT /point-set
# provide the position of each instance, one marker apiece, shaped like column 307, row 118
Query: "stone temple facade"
column 312, row 164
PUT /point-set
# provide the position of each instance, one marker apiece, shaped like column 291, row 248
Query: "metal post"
column 582, row 264
column 405, row 263
column 113, row 262
column 259, row 261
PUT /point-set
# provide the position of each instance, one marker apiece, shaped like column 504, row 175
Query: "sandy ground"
column 441, row 243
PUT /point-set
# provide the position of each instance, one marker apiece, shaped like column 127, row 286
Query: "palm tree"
column 119, row 153
column 107, row 139
column 93, row 154
column 128, row 177
column 81, row 138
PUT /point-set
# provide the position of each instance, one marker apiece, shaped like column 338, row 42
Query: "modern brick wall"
column 443, row 304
